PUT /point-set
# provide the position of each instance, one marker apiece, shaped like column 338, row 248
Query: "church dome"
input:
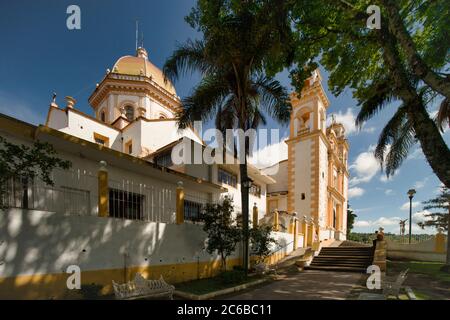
column 139, row 65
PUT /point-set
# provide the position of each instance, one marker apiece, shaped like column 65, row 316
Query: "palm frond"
column 395, row 141
column 203, row 103
column 188, row 57
column 443, row 115
column 377, row 96
column 273, row 97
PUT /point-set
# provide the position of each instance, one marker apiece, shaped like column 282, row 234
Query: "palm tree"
column 235, row 88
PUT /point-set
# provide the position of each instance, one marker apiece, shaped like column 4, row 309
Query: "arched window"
column 103, row 116
column 129, row 113
column 162, row 116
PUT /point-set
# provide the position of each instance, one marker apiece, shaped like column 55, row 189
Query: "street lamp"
column 246, row 184
column 411, row 193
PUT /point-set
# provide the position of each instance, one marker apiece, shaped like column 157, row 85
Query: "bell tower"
column 307, row 152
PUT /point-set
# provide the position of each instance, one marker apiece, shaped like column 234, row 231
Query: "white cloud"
column 421, row 216
column 420, row 184
column 384, row 178
column 365, row 167
column 388, row 192
column 386, row 222
column 355, row 192
column 348, row 121
column 416, row 154
column 270, row 154
column 391, row 224
column 414, row 204
column 362, row 223
column 380, row 222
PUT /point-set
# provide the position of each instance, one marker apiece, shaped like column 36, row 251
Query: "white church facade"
column 135, row 113
column 122, row 169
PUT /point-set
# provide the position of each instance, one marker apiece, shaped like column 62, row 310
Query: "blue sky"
column 40, row 55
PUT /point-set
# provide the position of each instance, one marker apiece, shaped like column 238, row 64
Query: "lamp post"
column 246, row 184
column 411, row 193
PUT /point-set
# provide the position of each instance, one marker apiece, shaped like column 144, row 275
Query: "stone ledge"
column 206, row 296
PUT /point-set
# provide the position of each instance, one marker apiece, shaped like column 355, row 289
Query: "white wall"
column 280, row 175
column 46, row 242
column 423, row 251
column 302, row 177
column 84, row 128
column 323, row 183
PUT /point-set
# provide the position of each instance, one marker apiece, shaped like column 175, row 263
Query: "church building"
column 135, row 113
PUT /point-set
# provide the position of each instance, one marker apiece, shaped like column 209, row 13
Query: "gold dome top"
column 139, row 65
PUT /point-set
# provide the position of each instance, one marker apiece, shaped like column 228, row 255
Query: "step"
column 338, row 259
column 326, row 263
column 346, row 252
column 356, row 265
column 348, row 249
column 332, row 268
column 345, row 257
column 356, row 256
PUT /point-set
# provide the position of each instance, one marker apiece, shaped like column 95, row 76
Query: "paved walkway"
column 307, row 285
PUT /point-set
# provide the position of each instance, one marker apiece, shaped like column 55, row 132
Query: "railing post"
column 103, row 190
column 439, row 242
column 295, row 231
column 180, row 203
column 305, row 232
column 275, row 220
column 255, row 216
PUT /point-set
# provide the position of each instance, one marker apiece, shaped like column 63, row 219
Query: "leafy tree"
column 440, row 218
column 350, row 219
column 241, row 42
column 404, row 61
column 261, row 241
column 26, row 163
column 219, row 225
column 440, row 206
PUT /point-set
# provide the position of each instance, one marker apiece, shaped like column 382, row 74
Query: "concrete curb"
column 191, row 296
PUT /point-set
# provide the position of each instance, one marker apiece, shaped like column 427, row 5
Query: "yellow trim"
column 439, row 243
column 53, row 285
column 103, row 193
column 127, row 146
column 101, row 137
column 275, row 221
column 48, row 286
column 255, row 216
column 17, row 127
column 180, row 205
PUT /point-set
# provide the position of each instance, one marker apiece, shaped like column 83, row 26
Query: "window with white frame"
column 227, row 178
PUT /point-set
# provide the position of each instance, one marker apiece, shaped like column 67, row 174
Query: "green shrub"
column 232, row 277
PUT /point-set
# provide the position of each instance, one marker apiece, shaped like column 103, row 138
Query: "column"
column 275, row 220
column 103, row 190
column 180, row 203
column 295, row 231
column 305, row 232
column 255, row 216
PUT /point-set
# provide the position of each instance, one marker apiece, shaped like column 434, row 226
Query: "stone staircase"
column 346, row 257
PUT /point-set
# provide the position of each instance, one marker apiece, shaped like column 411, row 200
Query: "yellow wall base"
column 53, row 286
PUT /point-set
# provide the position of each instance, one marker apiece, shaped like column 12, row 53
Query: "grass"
column 204, row 286
column 428, row 268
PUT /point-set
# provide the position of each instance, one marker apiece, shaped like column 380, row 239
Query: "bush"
column 232, row 277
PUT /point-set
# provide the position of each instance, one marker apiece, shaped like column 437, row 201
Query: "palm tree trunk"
column 433, row 145
column 245, row 213
column 418, row 66
column 446, row 267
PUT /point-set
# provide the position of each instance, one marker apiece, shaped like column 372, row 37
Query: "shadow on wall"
column 36, row 248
